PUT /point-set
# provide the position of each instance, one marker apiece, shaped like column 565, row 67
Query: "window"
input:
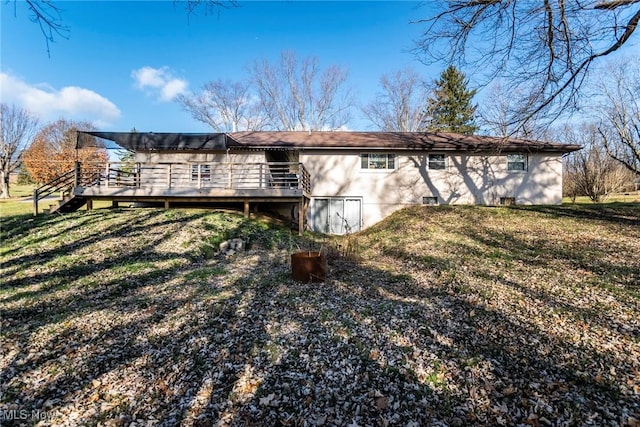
column 437, row 162
column 507, row 201
column 378, row 161
column 430, row 200
column 516, row 162
column 205, row 172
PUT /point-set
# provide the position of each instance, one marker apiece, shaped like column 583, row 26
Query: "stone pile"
column 231, row 247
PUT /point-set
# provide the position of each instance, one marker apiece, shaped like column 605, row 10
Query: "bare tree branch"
column 298, row 96
column 225, row 105
column 400, row 105
column 547, row 46
column 619, row 112
column 17, row 129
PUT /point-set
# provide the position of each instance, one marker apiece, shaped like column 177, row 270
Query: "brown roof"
column 391, row 140
column 145, row 141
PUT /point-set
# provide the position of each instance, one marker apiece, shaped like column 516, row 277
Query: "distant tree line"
column 297, row 95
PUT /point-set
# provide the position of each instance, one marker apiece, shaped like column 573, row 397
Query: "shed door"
column 336, row 215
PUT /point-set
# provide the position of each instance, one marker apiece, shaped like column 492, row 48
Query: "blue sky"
column 124, row 62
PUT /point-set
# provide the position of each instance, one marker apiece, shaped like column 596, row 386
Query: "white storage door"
column 352, row 215
column 336, row 215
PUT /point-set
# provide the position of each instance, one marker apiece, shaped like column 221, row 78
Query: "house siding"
column 182, row 174
column 199, row 157
column 467, row 179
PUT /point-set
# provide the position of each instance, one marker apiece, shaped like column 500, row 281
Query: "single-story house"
column 331, row 182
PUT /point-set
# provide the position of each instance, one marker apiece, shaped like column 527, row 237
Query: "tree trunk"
column 4, row 185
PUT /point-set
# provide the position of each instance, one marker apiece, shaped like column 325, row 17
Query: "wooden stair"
column 68, row 203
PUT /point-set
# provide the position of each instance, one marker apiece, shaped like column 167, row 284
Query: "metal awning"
column 152, row 141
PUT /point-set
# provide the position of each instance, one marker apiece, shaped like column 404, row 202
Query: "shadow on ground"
column 155, row 331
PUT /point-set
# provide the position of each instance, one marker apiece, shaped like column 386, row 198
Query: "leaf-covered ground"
column 450, row 316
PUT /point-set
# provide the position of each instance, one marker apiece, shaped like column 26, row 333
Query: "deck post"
column 301, row 213
column 166, row 203
column 89, row 204
column 76, row 174
column 246, row 208
column 35, row 202
column 114, row 203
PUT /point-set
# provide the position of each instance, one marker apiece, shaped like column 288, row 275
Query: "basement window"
column 430, row 200
column 378, row 161
column 437, row 162
column 516, row 162
column 507, row 201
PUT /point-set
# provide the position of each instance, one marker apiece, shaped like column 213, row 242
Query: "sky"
column 123, row 63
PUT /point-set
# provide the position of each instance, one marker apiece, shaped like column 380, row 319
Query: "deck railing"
column 61, row 184
column 203, row 175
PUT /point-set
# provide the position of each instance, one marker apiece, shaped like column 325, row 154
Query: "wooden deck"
column 204, row 182
column 271, row 180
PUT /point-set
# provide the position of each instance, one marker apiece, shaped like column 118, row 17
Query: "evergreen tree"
column 450, row 108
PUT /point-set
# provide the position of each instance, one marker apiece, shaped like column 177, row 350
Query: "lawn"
column 439, row 316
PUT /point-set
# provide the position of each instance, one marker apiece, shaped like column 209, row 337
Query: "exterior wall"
column 199, row 157
column 156, row 172
column 467, row 179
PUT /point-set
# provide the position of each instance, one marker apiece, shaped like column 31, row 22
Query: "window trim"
column 204, row 169
column 524, row 162
column 389, row 156
column 445, row 163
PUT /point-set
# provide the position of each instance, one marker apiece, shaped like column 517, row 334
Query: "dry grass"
column 451, row 316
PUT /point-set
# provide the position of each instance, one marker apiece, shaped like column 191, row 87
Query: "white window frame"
column 368, row 163
column 445, row 163
column 202, row 171
column 524, row 162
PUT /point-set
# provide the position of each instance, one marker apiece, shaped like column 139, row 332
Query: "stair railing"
column 63, row 183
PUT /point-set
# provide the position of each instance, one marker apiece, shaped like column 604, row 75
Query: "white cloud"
column 159, row 82
column 172, row 89
column 48, row 103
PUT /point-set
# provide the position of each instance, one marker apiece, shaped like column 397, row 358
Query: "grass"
column 631, row 197
column 449, row 315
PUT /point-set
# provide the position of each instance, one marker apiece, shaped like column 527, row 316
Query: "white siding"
column 467, row 179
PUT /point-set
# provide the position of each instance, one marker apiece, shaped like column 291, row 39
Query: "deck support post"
column 114, row 203
column 166, row 203
column 89, row 204
column 301, row 215
column 76, row 174
column 246, row 208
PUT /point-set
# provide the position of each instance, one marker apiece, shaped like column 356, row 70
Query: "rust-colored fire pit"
column 308, row 266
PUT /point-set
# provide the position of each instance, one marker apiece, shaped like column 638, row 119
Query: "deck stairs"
column 61, row 185
column 67, row 203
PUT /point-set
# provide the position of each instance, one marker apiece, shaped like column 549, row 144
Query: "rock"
column 237, row 244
